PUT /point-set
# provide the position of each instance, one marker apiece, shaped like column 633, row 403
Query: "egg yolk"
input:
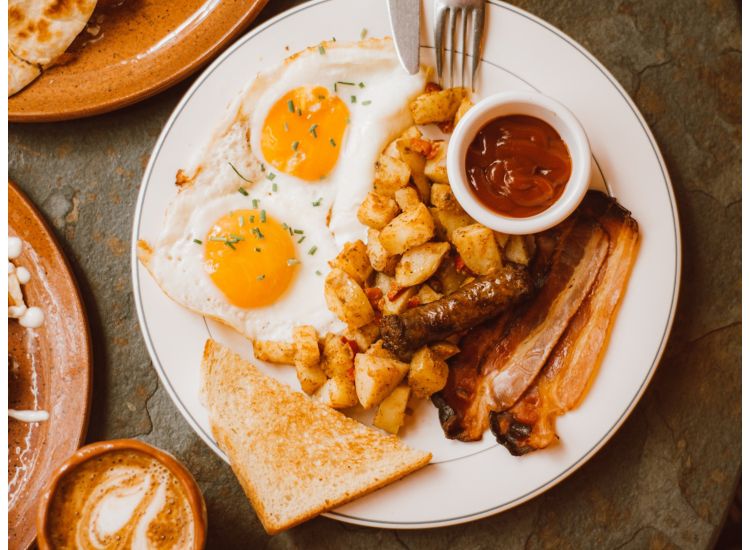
column 250, row 257
column 303, row 131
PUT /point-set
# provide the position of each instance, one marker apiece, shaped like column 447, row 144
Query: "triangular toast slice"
column 294, row 457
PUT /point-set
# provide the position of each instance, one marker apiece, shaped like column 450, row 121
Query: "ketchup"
column 518, row 165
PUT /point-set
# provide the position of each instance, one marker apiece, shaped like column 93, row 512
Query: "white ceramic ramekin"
column 520, row 103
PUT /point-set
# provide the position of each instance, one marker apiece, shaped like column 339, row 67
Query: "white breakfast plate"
column 466, row 481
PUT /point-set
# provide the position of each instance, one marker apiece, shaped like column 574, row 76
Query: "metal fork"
column 457, row 12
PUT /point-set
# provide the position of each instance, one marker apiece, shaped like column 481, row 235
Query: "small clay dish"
column 97, row 450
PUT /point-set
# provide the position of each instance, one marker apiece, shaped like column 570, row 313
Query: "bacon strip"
column 509, row 366
column 569, row 372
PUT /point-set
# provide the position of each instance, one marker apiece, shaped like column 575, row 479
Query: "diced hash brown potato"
column 364, row 336
column 407, row 198
column 375, row 377
column 346, row 299
column 310, row 378
column 464, row 106
column 398, row 302
column 338, row 356
column 442, row 198
column 408, row 229
column 392, row 411
column 415, row 160
column 306, row 349
column 477, row 247
column 518, row 250
column 427, row 294
column 353, row 261
column 435, row 168
column 420, row 263
column 376, row 211
column 391, row 174
column 501, row 239
column 274, row 352
column 378, row 350
column 427, row 372
column 338, row 393
column 377, row 254
column 447, row 221
column 444, row 350
column 436, row 106
column 448, row 276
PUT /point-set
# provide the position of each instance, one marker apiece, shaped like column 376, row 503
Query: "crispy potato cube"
column 448, row 276
column 478, row 249
column 274, row 352
column 464, row 106
column 437, row 106
column 378, row 256
column 375, row 377
column 444, row 350
column 376, row 211
column 384, row 282
column 420, row 263
column 447, row 221
column 392, row 411
column 364, row 336
column 427, row 373
column 408, row 229
column 435, row 168
column 310, row 377
column 501, row 239
column 346, row 299
column 410, row 146
column 306, row 349
column 378, row 350
column 517, row 250
column 338, row 393
column 353, row 261
column 442, row 198
column 391, row 174
column 338, row 356
column 427, row 294
column 399, row 302
column 407, row 198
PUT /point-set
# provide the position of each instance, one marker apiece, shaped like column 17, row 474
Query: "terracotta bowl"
column 195, row 497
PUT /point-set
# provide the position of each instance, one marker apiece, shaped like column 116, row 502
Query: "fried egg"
column 274, row 196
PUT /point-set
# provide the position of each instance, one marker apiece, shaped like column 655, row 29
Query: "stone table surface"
column 664, row 480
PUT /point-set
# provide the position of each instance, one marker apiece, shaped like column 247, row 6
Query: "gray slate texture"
column 663, row 481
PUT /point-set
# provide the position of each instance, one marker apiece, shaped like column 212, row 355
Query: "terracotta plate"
column 49, row 368
column 130, row 50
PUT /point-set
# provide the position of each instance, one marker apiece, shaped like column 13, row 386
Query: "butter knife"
column 405, row 21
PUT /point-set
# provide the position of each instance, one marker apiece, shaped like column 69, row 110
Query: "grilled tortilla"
column 39, row 31
column 294, row 457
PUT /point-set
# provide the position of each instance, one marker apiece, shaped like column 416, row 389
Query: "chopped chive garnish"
column 312, row 130
column 321, row 97
column 271, row 176
column 256, row 202
column 299, row 111
column 318, row 202
column 363, row 34
column 257, row 249
column 333, row 39
column 257, row 233
column 354, row 99
column 236, row 238
column 366, row 102
column 241, row 221
column 302, row 238
column 275, row 187
column 262, row 167
column 332, row 142
column 286, row 127
column 263, row 216
column 295, row 145
column 197, row 241
column 238, row 173
column 317, row 272
column 230, row 245
column 312, row 251
column 298, row 232
column 344, row 83
column 361, row 84
column 260, row 277
column 292, row 261
column 321, row 50
column 252, row 219
column 290, row 105
column 217, row 239
column 242, row 191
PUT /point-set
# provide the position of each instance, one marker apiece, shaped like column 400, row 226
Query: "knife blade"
column 405, row 21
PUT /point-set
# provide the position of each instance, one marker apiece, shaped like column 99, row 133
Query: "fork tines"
column 458, row 13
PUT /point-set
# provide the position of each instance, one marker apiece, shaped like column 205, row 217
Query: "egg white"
column 176, row 261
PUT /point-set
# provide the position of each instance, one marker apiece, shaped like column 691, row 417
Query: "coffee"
column 120, row 499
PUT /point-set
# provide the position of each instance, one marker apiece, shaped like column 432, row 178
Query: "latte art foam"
column 119, row 500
